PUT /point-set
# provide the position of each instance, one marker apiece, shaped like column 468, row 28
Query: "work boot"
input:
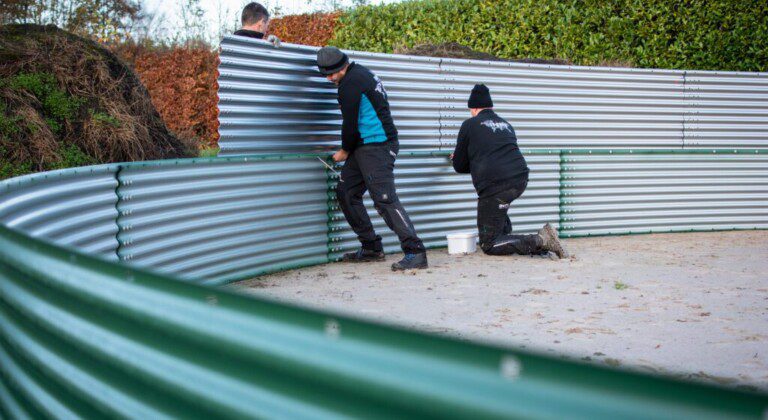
column 550, row 242
column 411, row 261
column 363, row 255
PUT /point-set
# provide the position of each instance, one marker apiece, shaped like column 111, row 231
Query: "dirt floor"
column 693, row 305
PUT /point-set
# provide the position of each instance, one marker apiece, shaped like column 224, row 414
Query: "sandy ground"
column 694, row 305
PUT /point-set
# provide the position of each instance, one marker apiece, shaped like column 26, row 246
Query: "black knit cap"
column 480, row 97
column 330, row 60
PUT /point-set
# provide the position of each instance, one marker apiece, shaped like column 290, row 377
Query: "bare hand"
column 275, row 41
column 450, row 157
column 340, row 156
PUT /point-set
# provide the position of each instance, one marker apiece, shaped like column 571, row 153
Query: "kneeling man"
column 487, row 148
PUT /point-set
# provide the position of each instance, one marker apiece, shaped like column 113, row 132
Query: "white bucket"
column 462, row 242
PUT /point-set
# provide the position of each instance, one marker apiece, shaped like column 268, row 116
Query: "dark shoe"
column 363, row 255
column 411, row 261
column 550, row 241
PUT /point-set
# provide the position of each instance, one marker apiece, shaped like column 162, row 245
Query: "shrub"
column 9, row 124
column 309, row 29
column 104, row 118
column 58, row 107
column 208, row 151
column 10, row 167
column 71, row 156
column 183, row 87
column 694, row 34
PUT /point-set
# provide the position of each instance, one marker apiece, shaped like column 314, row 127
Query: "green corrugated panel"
column 84, row 337
column 80, row 337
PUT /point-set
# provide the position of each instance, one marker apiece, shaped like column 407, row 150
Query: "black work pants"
column 495, row 228
column 371, row 167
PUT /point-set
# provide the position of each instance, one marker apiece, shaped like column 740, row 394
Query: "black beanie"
column 480, row 97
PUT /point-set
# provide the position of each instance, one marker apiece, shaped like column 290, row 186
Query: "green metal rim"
column 31, row 178
column 651, row 231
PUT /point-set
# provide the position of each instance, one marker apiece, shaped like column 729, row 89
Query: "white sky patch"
column 223, row 16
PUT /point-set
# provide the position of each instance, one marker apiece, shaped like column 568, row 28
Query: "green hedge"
column 709, row 35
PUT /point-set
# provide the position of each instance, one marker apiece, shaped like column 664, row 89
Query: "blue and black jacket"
column 364, row 109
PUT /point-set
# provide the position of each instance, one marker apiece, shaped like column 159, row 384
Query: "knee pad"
column 382, row 194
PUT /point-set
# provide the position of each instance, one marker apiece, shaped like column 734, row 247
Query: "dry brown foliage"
column 182, row 83
column 309, row 29
column 182, row 80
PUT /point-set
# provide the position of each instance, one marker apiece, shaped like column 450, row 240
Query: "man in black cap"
column 487, row 148
column 369, row 145
column 255, row 21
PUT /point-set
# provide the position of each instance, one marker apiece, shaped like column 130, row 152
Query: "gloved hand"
column 274, row 40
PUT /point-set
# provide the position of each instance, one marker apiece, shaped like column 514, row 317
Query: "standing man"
column 487, row 148
column 369, row 145
column 255, row 22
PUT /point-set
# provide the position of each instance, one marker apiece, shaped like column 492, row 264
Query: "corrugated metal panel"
column 225, row 219
column 440, row 201
column 639, row 193
column 80, row 337
column 416, row 94
column 73, row 207
column 726, row 109
column 551, row 107
column 571, row 107
column 215, row 219
column 274, row 100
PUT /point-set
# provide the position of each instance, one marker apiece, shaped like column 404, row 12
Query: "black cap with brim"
column 331, row 60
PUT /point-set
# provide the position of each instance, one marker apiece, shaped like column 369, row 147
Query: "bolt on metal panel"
column 213, row 219
column 604, row 194
column 726, row 109
column 71, row 207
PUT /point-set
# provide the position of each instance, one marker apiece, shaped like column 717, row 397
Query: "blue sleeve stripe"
column 368, row 123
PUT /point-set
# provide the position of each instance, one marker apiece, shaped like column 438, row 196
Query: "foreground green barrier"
column 85, row 334
column 83, row 337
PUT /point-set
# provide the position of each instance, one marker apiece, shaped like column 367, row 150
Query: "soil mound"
column 456, row 50
column 66, row 101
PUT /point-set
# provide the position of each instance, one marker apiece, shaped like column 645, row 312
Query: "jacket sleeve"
column 461, row 154
column 349, row 100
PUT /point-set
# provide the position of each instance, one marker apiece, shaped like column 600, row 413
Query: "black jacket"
column 249, row 33
column 364, row 109
column 487, row 148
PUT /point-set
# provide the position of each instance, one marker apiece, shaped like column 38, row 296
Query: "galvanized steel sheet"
column 73, row 207
column 440, row 201
column 275, row 100
column 642, row 193
column 216, row 219
column 726, row 109
column 572, row 107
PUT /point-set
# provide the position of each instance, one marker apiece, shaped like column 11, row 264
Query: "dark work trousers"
column 495, row 228
column 371, row 167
